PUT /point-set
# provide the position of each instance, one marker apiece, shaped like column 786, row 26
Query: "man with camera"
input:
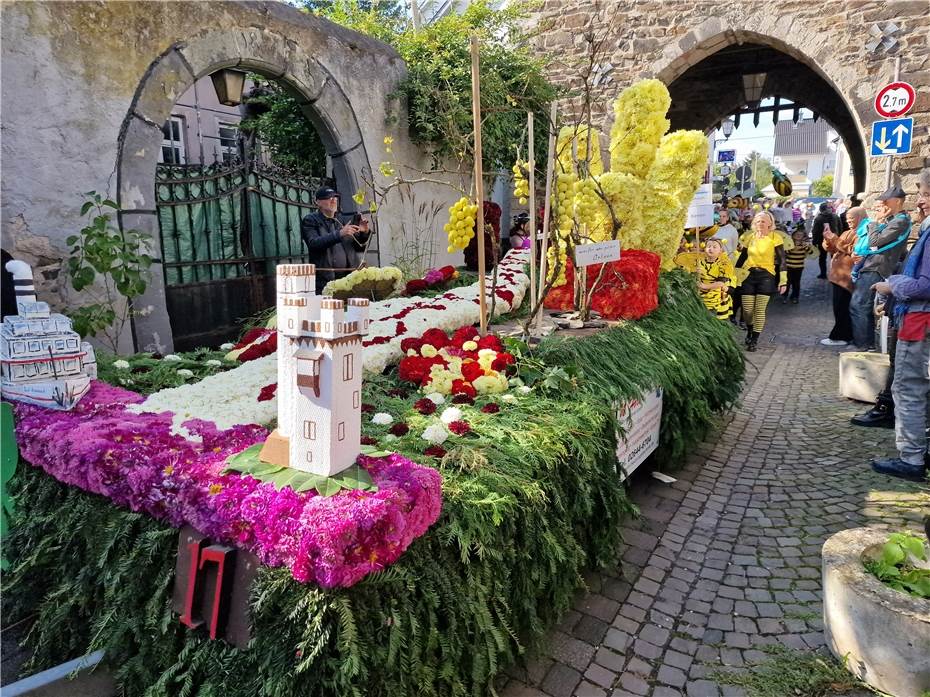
column 334, row 247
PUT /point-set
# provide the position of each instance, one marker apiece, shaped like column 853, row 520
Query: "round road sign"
column 895, row 99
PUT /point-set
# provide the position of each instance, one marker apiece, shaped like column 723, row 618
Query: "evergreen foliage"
column 530, row 499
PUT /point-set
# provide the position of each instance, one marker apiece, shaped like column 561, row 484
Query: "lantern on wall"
column 228, row 85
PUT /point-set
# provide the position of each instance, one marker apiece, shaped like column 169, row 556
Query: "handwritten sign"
column 597, row 253
column 639, row 422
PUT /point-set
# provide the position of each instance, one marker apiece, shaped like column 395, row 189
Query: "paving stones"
column 726, row 560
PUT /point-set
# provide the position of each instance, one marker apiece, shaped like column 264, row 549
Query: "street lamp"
column 727, row 127
column 228, row 85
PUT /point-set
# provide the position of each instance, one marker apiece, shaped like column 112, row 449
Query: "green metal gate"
column 224, row 228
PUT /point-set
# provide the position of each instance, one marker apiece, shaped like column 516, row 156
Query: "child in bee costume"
column 717, row 279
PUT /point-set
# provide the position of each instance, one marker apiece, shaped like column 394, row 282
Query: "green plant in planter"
column 118, row 258
column 903, row 564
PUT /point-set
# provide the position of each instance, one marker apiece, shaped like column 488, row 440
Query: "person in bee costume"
column 716, row 279
column 764, row 255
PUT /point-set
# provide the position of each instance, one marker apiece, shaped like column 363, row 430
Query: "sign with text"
column 895, row 99
column 639, row 422
column 701, row 210
column 597, row 253
column 892, row 137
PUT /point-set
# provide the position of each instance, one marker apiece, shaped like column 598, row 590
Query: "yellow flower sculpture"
column 652, row 180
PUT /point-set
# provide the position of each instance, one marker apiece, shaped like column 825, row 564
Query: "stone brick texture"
column 663, row 38
column 726, row 559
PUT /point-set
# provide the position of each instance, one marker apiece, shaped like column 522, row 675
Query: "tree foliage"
column 437, row 89
column 292, row 140
column 823, row 186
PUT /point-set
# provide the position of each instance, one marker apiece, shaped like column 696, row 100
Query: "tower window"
column 310, row 430
column 290, row 322
column 309, row 456
column 347, row 367
column 355, row 400
column 341, row 430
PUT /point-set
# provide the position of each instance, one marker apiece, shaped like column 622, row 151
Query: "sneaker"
column 879, row 416
column 794, row 301
column 833, row 342
column 896, row 467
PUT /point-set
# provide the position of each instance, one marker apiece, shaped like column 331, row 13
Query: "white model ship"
column 42, row 359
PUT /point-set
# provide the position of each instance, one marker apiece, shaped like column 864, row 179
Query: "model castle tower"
column 42, row 360
column 319, row 376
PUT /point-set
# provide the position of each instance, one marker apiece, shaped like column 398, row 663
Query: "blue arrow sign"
column 892, row 137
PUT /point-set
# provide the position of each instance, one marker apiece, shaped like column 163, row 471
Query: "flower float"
column 460, row 364
column 371, row 282
column 139, row 462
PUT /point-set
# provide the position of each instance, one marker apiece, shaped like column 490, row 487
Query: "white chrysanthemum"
column 171, row 358
column 227, row 346
column 436, row 398
column 213, row 363
column 450, row 414
column 121, row 364
column 382, row 419
column 523, row 389
column 184, row 372
column 436, row 433
column 508, row 398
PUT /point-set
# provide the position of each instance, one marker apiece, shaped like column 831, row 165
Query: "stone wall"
column 87, row 85
column 663, row 38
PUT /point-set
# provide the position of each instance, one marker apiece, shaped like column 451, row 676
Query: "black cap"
column 893, row 192
column 523, row 217
column 326, row 193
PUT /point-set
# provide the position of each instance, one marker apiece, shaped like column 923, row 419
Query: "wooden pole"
column 532, row 181
column 550, row 166
column 479, row 182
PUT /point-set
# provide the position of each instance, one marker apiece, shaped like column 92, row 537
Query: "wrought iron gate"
column 224, row 227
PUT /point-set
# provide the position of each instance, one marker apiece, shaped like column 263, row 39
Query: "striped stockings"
column 754, row 311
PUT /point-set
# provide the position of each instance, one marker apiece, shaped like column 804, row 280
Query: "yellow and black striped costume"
column 719, row 302
column 796, row 256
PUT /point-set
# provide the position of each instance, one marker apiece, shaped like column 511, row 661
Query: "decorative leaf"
column 247, row 458
column 371, row 451
column 328, row 487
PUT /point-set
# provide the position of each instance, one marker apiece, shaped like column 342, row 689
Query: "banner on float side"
column 639, row 421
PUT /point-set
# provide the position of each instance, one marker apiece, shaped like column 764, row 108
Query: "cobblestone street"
column 726, row 560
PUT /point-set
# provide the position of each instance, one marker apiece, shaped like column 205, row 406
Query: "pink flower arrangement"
column 138, row 463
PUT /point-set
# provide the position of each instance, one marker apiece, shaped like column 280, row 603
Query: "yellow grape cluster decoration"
column 652, row 180
column 461, row 225
column 521, row 186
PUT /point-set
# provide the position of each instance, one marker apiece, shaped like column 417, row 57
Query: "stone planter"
column 883, row 634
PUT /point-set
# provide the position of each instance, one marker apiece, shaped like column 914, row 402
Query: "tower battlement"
column 296, row 270
column 294, row 302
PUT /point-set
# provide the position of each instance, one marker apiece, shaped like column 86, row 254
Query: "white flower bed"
column 231, row 398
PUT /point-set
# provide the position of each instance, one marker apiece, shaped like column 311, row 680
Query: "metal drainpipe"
column 52, row 675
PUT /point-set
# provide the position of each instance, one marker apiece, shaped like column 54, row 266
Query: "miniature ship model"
column 42, row 360
column 319, row 376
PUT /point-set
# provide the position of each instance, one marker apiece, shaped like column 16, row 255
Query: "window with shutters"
column 310, row 430
column 347, row 367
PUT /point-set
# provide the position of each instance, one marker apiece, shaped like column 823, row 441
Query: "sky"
column 747, row 137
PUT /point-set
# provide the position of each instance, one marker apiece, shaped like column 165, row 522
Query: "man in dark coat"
column 825, row 217
column 334, row 246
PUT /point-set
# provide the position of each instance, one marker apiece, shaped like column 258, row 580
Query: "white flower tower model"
column 319, row 376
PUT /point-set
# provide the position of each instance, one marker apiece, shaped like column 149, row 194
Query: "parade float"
column 285, row 525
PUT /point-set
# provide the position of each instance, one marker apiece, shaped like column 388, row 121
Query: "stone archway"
column 817, row 81
column 322, row 100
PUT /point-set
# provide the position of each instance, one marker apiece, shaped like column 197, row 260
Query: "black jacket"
column 328, row 249
column 820, row 221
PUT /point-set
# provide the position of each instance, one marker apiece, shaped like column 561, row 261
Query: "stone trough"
column 882, row 634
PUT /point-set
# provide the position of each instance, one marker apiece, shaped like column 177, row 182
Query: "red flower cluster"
column 368, row 440
column 462, row 398
column 368, row 408
column 260, row 342
column 425, row 406
column 490, row 408
column 434, row 278
column 434, row 451
column 267, row 392
column 629, row 288
column 399, row 429
column 416, row 368
column 459, row 428
column 492, row 219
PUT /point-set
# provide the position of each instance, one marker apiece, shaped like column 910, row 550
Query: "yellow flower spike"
column 359, row 197
column 386, row 169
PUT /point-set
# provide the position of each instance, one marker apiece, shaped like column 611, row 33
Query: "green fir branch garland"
column 530, row 499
